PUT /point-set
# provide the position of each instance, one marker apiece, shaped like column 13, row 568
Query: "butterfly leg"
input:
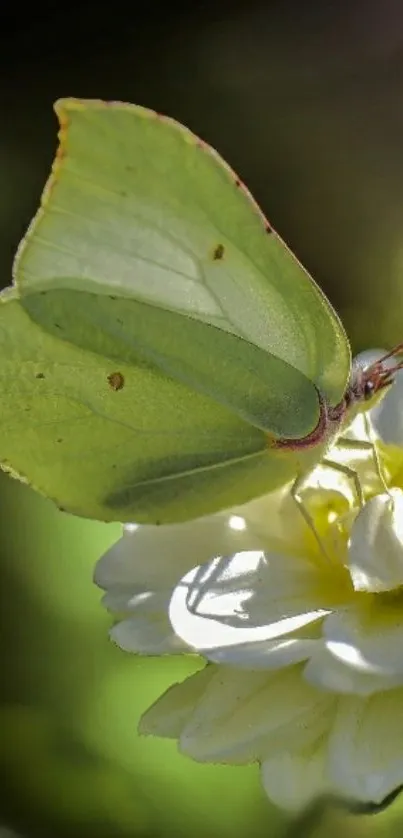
column 295, row 492
column 348, row 472
column 359, row 445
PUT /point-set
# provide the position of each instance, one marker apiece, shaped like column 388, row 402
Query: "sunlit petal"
column 244, row 598
column 328, row 672
column 376, row 544
column 157, row 557
column 265, row 654
column 368, row 639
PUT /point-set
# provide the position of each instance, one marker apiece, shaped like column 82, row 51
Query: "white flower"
column 304, row 641
column 308, row 665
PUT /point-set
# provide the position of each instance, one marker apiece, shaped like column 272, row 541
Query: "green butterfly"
column 175, row 357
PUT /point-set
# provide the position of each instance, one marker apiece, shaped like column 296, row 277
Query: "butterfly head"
column 370, row 381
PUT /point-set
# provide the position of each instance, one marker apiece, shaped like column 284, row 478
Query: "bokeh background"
column 305, row 100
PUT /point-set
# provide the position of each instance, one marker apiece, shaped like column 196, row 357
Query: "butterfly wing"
column 151, row 449
column 139, row 207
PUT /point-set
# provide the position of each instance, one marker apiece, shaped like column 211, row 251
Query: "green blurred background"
column 305, row 100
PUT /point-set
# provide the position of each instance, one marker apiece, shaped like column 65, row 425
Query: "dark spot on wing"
column 39, row 375
column 218, row 252
column 116, row 380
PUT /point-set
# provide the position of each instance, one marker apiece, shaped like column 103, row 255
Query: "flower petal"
column 155, row 558
column 140, row 570
column 150, row 635
column 294, row 779
column 365, row 746
column 387, row 416
column 368, row 639
column 135, row 599
column 267, row 654
column 221, row 716
column 265, row 517
column 244, row 598
column 376, row 544
column 169, row 714
column 241, row 719
column 329, row 673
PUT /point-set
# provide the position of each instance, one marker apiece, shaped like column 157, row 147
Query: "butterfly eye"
column 369, row 389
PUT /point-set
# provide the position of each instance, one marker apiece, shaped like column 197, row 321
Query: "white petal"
column 267, row 654
column 156, row 557
column 387, row 417
column 240, row 718
column 151, row 635
column 365, row 746
column 169, row 714
column 244, row 598
column 376, row 544
column 277, row 521
column 329, row 673
column 264, row 516
column 134, row 599
column 327, row 486
column 368, row 639
column 293, row 780
column 147, row 630
column 359, row 460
